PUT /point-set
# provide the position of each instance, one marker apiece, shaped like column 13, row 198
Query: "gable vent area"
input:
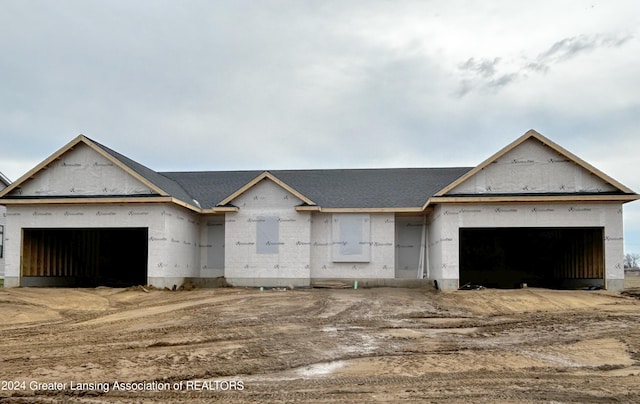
column 84, row 257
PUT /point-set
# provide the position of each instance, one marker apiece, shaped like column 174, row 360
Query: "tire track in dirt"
column 337, row 345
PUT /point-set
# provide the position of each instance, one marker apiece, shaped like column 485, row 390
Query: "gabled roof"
column 392, row 188
column 532, row 134
column 156, row 181
column 382, row 189
column 159, row 184
column 271, row 177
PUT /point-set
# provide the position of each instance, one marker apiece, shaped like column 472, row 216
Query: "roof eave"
column 220, row 209
column 359, row 209
column 531, row 198
column 86, row 200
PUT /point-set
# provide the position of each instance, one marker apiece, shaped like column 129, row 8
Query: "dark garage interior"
column 558, row 258
column 84, row 257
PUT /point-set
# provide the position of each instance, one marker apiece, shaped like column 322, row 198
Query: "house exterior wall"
column 183, row 245
column 380, row 240
column 174, row 248
column 447, row 220
column 212, row 246
column 173, row 234
column 408, row 244
column 307, row 244
column 442, row 255
column 3, row 227
column 267, row 242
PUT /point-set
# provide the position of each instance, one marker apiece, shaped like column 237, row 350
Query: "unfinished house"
column 4, row 182
column 532, row 213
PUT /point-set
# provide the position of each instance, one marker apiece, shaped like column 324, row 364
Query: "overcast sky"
column 216, row 85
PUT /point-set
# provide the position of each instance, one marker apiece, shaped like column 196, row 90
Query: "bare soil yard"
column 318, row 345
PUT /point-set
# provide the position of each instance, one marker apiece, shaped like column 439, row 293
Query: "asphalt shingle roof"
column 374, row 188
column 330, row 188
column 166, row 184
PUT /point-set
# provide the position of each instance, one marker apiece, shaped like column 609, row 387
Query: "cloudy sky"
column 214, row 85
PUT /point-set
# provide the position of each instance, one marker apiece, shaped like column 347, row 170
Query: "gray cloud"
column 572, row 47
column 485, row 75
column 483, row 67
column 205, row 85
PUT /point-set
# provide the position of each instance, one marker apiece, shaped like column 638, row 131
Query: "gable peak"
column 549, row 145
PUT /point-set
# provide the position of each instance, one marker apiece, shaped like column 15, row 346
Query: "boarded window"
column 351, row 238
column 267, row 235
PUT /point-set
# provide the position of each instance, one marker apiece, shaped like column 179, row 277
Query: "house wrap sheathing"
column 532, row 213
column 4, row 182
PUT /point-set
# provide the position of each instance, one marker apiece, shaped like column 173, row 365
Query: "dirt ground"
column 319, row 345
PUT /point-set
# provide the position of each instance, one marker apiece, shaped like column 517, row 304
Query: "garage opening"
column 558, row 258
column 84, row 257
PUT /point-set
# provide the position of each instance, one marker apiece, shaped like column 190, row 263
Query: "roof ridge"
column 313, row 169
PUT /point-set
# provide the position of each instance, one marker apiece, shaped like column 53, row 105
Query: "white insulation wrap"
column 3, row 227
column 532, row 168
column 173, row 233
column 271, row 235
column 447, row 220
column 82, row 172
column 267, row 237
column 378, row 243
column 409, row 235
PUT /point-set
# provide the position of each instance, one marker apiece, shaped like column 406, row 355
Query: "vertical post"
column 423, row 250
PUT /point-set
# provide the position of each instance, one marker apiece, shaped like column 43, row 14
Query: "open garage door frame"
column 550, row 257
column 84, row 257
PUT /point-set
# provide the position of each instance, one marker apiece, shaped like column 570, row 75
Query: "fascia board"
column 69, row 146
column 532, row 198
column 582, row 163
column 6, row 181
column 80, row 201
column 358, row 210
column 101, row 201
column 43, row 165
column 124, row 167
column 220, row 209
column 483, row 164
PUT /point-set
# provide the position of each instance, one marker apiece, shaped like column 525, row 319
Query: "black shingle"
column 331, row 188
